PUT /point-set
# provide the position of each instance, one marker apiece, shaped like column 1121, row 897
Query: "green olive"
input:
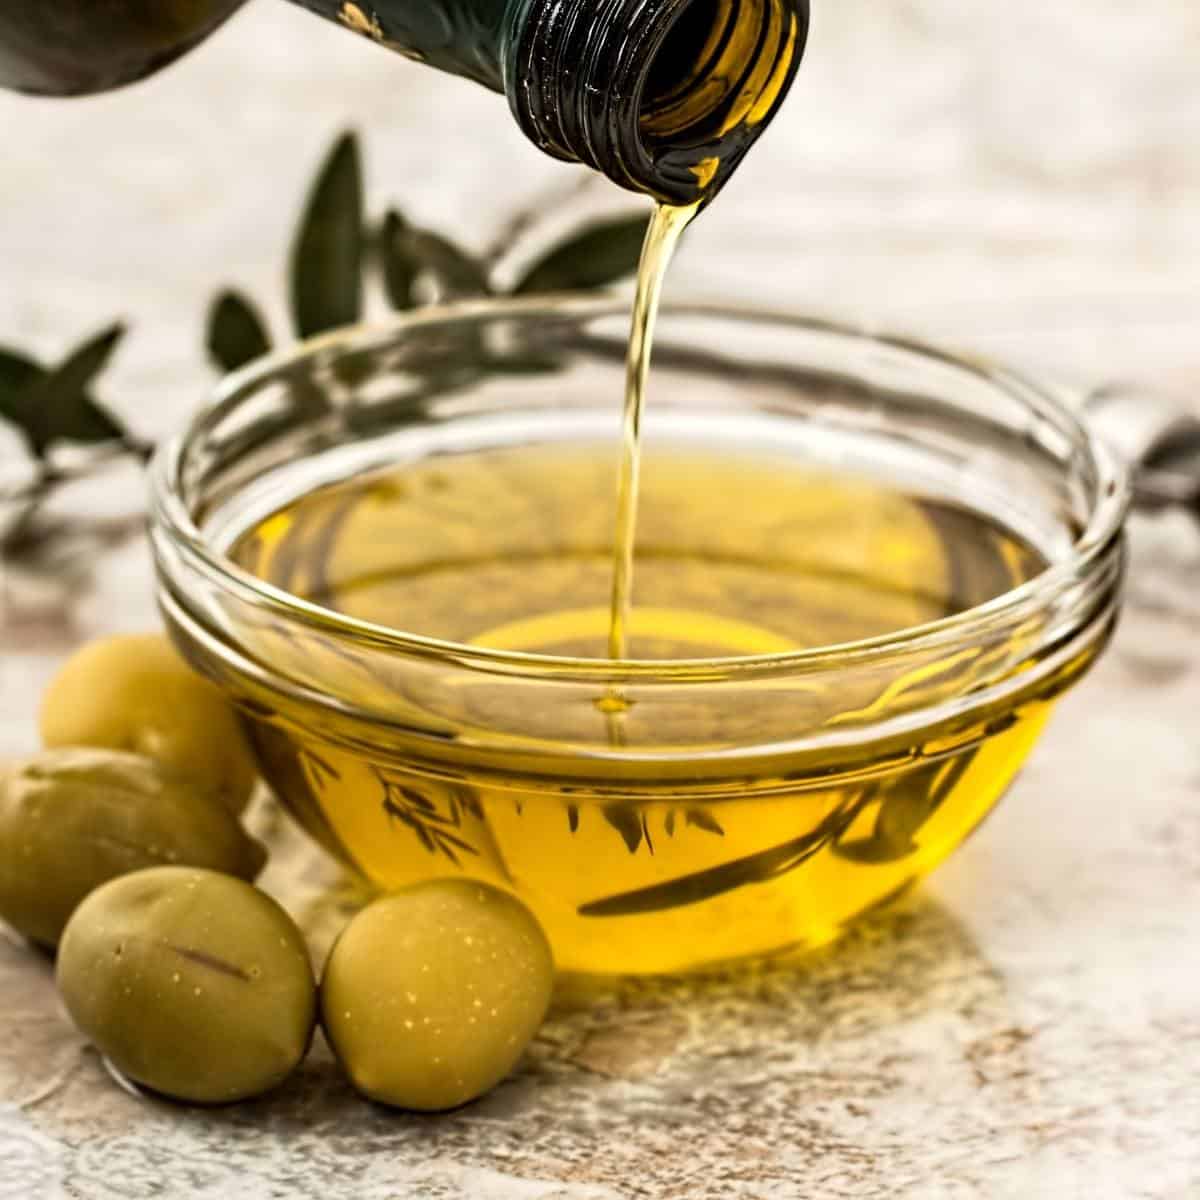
column 134, row 692
column 191, row 983
column 430, row 996
column 71, row 820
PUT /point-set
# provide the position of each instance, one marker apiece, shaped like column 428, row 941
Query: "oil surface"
column 513, row 549
column 662, row 869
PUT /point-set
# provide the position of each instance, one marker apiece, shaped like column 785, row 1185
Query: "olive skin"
column 191, row 983
column 134, row 692
column 71, row 820
column 430, row 996
column 74, row 47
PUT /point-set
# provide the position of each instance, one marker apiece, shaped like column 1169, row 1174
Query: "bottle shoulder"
column 460, row 37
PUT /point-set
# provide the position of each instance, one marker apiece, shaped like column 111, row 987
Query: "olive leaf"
column 901, row 814
column 288, row 769
column 455, row 272
column 17, row 374
column 411, row 254
column 694, row 818
column 237, row 333
column 49, row 406
column 327, row 254
column 627, row 821
column 599, row 254
column 905, row 807
column 66, row 410
column 333, row 248
column 701, row 818
column 873, row 851
column 401, row 270
column 761, row 867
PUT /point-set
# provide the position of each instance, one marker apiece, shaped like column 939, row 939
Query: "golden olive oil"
column 737, row 554
column 658, row 866
column 662, row 236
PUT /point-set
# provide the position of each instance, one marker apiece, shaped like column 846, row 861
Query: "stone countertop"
column 1028, row 1025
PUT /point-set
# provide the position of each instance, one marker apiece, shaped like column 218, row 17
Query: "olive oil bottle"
column 662, row 96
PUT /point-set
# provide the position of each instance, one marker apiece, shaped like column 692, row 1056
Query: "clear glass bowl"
column 751, row 804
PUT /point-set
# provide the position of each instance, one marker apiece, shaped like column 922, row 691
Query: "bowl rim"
column 1096, row 541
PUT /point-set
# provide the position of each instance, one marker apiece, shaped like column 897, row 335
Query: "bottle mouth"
column 665, row 97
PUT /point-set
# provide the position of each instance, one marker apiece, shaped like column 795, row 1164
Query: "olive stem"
column 24, row 534
column 521, row 223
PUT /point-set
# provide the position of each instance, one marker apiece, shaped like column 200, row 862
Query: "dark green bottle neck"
column 663, row 96
column 462, row 37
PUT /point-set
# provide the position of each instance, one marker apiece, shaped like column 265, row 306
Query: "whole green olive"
column 71, row 820
column 191, row 983
column 431, row 995
column 134, row 692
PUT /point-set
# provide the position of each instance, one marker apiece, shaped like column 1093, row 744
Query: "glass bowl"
column 655, row 815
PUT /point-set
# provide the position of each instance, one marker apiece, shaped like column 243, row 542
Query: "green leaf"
column 599, row 254
column 455, row 272
column 905, row 806
column 400, row 266
column 236, row 333
column 761, row 867
column 524, row 364
column 874, row 851
column 902, row 815
column 58, row 407
column 17, row 374
column 625, row 820
column 411, row 254
column 701, row 818
column 327, row 254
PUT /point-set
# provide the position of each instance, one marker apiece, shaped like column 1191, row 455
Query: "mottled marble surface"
column 1025, row 180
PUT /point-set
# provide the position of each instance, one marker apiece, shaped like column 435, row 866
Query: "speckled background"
column 1022, row 179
